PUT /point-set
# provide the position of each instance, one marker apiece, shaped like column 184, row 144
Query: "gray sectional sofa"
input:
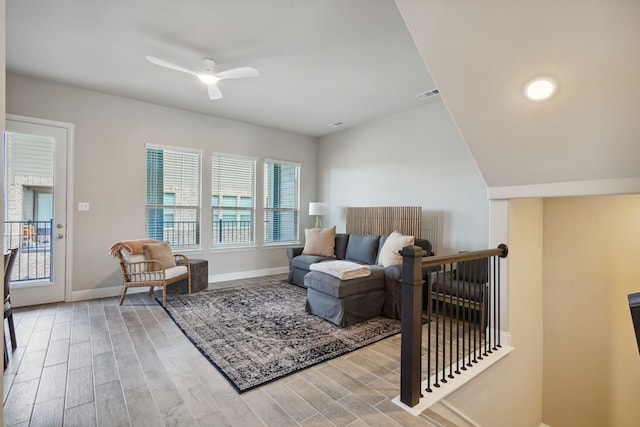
column 345, row 302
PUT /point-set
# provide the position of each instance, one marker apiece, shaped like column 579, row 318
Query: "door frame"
column 69, row 127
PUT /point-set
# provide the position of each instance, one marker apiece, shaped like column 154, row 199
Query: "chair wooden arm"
column 181, row 259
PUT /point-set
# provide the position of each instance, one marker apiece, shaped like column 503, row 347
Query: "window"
column 281, row 203
column 173, row 196
column 168, row 215
column 233, row 199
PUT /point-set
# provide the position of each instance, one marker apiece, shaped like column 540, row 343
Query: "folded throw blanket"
column 130, row 246
column 343, row 270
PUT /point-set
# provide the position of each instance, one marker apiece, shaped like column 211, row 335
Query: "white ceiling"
column 320, row 61
column 481, row 54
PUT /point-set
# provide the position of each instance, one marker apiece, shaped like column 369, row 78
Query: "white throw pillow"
column 320, row 241
column 390, row 252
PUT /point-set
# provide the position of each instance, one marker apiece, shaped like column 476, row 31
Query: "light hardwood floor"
column 96, row 363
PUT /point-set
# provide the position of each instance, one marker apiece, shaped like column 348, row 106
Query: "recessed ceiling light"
column 540, row 88
column 336, row 124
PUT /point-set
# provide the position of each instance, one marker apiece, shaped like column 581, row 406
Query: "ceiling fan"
column 208, row 75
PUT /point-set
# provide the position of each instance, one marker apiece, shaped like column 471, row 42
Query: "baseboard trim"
column 213, row 278
column 113, row 291
column 438, row 394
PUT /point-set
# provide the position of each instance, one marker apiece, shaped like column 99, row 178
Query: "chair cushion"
column 160, row 252
column 176, row 271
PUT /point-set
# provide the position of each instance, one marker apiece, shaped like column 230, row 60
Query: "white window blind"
column 281, row 201
column 173, row 196
column 233, row 199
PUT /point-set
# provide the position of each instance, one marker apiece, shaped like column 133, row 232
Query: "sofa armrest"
column 393, row 272
column 294, row 252
column 291, row 254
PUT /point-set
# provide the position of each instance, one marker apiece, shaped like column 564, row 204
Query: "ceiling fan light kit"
column 208, row 75
column 208, row 79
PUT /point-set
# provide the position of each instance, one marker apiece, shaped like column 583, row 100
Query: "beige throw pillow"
column 390, row 252
column 160, row 252
column 320, row 241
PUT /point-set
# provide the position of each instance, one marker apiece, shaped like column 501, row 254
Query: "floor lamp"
column 318, row 209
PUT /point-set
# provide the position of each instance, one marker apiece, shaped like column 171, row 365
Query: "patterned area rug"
column 258, row 333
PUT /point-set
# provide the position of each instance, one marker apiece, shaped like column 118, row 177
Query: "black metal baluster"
column 457, row 299
column 450, row 328
column 430, row 318
column 436, row 383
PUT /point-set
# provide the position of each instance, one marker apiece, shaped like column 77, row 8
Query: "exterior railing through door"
column 34, row 239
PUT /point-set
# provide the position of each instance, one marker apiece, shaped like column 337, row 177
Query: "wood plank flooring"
column 96, row 363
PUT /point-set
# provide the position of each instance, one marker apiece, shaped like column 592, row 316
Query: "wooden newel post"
column 411, row 323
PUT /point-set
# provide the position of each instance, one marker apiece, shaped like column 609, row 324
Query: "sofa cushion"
column 362, row 248
column 304, row 261
column 159, row 252
column 320, row 241
column 390, row 251
column 331, row 285
column 341, row 245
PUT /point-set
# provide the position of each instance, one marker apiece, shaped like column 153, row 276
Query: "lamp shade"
column 317, row 208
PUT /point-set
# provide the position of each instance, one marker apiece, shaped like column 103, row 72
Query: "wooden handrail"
column 502, row 250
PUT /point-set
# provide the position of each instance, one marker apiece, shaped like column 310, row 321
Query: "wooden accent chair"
column 149, row 263
column 9, row 261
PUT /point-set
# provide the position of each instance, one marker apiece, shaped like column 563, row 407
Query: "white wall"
column 414, row 158
column 109, row 169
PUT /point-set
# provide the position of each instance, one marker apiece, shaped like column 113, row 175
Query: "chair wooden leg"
column 189, row 281
column 164, row 295
column 124, row 293
column 151, row 290
column 12, row 333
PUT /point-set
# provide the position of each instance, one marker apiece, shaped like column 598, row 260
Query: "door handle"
column 59, row 236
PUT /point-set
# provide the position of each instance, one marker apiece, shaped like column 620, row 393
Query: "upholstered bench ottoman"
column 345, row 302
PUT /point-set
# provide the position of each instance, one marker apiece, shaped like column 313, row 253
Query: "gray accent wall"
column 414, row 158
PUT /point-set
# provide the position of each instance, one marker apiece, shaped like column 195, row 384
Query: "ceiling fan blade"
column 238, row 73
column 214, row 92
column 169, row 65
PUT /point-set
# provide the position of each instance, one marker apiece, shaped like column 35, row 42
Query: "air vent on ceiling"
column 428, row 94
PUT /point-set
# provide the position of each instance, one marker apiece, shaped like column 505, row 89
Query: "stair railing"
column 460, row 301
